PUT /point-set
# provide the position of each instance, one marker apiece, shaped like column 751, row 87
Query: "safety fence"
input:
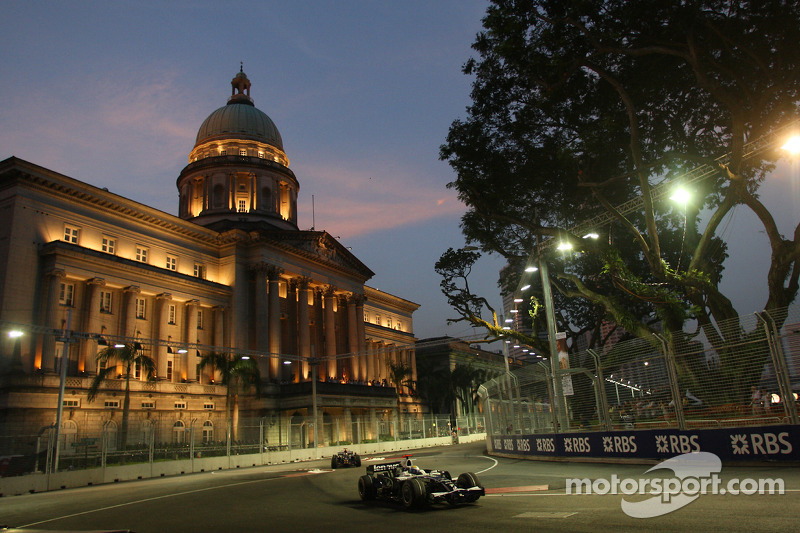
column 147, row 441
column 746, row 372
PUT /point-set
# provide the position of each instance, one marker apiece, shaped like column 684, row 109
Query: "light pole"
column 558, row 393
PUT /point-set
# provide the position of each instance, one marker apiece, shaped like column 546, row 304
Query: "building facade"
column 81, row 267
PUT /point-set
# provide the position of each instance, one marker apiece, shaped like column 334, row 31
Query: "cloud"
column 352, row 203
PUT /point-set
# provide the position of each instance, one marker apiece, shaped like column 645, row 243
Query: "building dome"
column 240, row 119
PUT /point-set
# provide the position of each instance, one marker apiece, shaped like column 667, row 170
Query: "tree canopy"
column 581, row 106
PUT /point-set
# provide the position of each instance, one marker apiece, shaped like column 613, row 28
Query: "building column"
column 361, row 338
column 330, row 331
column 88, row 347
column 219, row 333
column 160, row 322
column 352, row 339
column 259, row 272
column 290, row 344
column 303, row 333
column 273, row 275
column 189, row 359
column 129, row 295
column 370, row 361
column 48, row 357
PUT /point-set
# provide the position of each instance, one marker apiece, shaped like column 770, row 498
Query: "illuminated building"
column 231, row 272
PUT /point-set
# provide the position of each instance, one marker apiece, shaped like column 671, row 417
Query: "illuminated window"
column 208, row 431
column 109, row 245
column 261, row 154
column 171, row 313
column 141, row 254
column 366, row 316
column 199, row 271
column 72, row 403
column 66, row 294
column 112, row 404
column 223, row 152
column 389, row 322
column 71, row 234
column 180, row 405
column 169, row 370
column 399, row 325
column 148, row 405
column 141, row 308
column 209, row 406
column 172, row 262
column 378, row 319
column 200, row 319
column 242, row 151
column 137, row 370
column 105, row 301
column 242, row 206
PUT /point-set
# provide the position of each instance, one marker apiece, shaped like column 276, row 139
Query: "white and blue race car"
column 414, row 487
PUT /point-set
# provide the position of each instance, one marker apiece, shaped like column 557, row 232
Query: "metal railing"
column 749, row 375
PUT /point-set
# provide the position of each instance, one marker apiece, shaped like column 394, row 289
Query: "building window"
column 148, row 405
column 105, row 302
column 171, row 313
column 388, row 322
column 141, row 254
column 66, row 294
column 200, row 319
column 223, row 152
column 180, row 405
column 172, row 262
column 199, row 271
column 366, row 316
column 72, row 403
column 378, row 319
column 242, row 151
column 71, row 234
column 208, row 431
column 112, row 404
column 242, row 206
column 109, row 245
column 141, row 308
column 169, row 370
column 261, row 154
column 399, row 325
column 137, row 371
column 208, row 406
column 178, row 432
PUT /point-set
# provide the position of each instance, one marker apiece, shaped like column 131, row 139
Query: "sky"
column 363, row 93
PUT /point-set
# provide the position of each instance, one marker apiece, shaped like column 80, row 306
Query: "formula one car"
column 345, row 458
column 414, row 487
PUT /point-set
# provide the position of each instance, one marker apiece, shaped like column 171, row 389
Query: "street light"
column 792, row 145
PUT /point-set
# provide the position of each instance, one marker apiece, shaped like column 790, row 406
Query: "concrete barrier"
column 40, row 482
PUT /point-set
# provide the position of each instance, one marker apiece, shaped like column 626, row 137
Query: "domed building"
column 82, row 268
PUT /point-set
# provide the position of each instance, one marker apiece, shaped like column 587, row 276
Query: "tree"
column 131, row 358
column 239, row 374
column 400, row 375
column 578, row 107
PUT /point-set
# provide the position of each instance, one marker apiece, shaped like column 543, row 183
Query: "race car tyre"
column 467, row 480
column 357, row 460
column 366, row 489
column 413, row 493
column 334, row 462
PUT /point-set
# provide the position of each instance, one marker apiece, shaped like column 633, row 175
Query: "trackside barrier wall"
column 742, row 444
column 41, row 482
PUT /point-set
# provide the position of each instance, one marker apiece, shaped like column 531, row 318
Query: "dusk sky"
column 362, row 92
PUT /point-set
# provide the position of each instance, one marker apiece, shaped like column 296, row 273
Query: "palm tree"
column 129, row 356
column 399, row 374
column 237, row 373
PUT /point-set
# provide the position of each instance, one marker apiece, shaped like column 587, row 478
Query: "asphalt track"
column 310, row 497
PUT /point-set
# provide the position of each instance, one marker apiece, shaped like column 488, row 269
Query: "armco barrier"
column 40, row 482
column 741, row 444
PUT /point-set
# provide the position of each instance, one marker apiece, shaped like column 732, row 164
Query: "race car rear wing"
column 384, row 467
